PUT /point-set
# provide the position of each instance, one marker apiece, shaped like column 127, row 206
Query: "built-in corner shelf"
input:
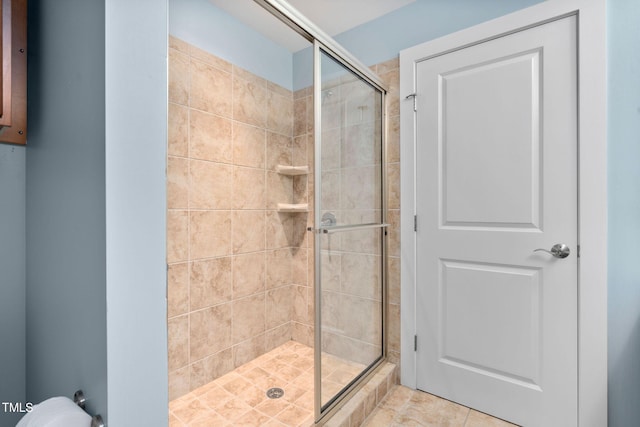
column 292, row 170
column 293, row 207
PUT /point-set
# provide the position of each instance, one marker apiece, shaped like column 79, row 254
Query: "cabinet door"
column 13, row 84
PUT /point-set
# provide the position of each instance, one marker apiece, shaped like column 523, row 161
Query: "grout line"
column 467, row 417
column 189, row 261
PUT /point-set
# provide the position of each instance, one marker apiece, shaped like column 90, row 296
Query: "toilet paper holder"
column 80, row 400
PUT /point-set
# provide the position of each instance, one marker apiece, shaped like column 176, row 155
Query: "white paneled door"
column 496, row 179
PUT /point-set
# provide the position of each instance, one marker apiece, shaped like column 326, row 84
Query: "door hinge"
column 578, row 251
column 415, row 223
column 415, row 102
column 415, row 343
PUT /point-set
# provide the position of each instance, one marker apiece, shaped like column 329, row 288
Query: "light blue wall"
column 12, row 278
column 65, row 197
column 96, row 204
column 200, row 23
column 624, row 211
column 383, row 38
column 204, row 25
column 136, row 141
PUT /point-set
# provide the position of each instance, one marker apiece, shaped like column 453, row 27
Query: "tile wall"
column 237, row 267
column 240, row 272
column 389, row 72
column 303, row 314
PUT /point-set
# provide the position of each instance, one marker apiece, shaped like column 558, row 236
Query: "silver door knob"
column 559, row 250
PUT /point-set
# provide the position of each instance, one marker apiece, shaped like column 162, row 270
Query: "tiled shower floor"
column 239, row 397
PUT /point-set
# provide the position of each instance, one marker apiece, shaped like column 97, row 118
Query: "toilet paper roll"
column 56, row 412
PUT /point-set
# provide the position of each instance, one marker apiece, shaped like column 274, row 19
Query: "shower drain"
column 275, row 393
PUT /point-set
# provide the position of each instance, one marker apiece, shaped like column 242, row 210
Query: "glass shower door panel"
column 350, row 230
column 351, row 307
column 351, row 146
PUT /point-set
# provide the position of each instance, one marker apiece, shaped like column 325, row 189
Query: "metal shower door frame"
column 323, row 43
column 334, row 404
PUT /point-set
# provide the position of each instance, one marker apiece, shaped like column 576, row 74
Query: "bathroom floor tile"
column 478, row 419
column 215, row 396
column 174, row 421
column 404, row 407
column 191, row 411
column 239, row 397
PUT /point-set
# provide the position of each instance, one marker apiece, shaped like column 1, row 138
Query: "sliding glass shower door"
column 350, row 229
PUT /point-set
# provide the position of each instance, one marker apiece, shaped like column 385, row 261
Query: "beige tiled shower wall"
column 389, row 72
column 303, row 154
column 237, row 279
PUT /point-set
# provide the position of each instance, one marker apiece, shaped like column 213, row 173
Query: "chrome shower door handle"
column 559, row 250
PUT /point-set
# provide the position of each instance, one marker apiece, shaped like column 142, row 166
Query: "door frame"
column 592, row 187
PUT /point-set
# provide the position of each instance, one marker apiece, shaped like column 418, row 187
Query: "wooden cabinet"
column 13, row 84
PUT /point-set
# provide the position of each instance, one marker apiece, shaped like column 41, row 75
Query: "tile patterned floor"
column 239, row 397
column 404, row 407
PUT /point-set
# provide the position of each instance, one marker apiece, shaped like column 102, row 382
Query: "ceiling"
column 332, row 16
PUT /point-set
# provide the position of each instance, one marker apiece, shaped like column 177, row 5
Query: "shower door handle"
column 339, row 228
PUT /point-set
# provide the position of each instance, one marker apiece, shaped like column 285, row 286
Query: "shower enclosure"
column 277, row 215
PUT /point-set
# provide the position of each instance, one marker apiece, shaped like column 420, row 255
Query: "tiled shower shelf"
column 292, row 170
column 291, row 207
